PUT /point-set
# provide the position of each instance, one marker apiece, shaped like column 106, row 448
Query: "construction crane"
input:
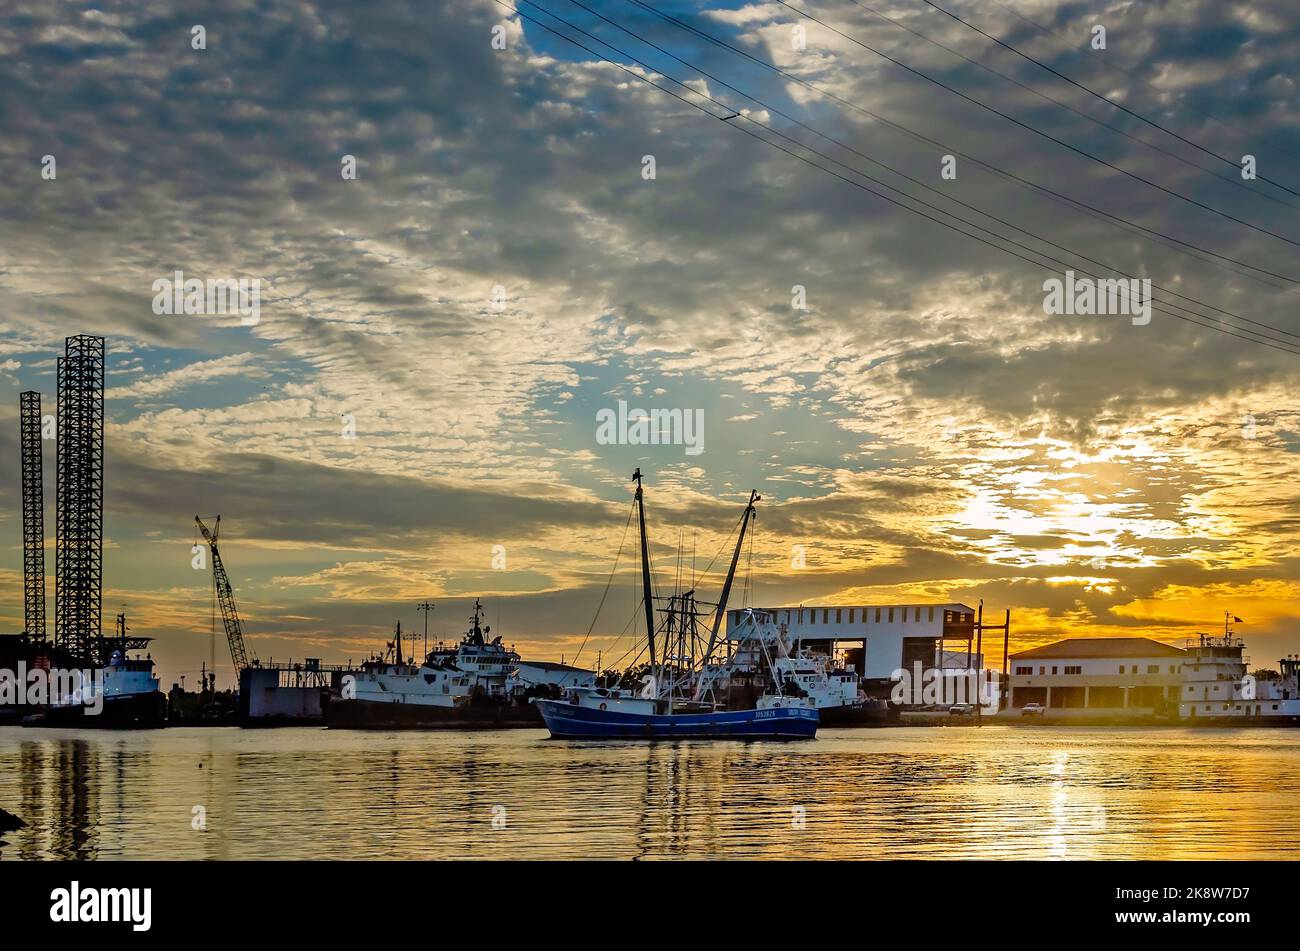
column 226, row 595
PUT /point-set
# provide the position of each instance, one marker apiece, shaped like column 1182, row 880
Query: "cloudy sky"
column 501, row 269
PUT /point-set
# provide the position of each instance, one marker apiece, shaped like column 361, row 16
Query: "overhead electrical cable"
column 991, row 243
column 1104, row 98
column 1108, row 62
column 1235, row 181
column 1039, row 132
column 1003, row 173
column 776, row 111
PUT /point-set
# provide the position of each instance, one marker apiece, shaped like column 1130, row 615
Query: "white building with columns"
column 1099, row 676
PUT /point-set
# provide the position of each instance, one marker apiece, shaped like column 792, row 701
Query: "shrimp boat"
column 671, row 703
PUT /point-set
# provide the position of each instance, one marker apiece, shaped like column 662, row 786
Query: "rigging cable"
column 608, row 584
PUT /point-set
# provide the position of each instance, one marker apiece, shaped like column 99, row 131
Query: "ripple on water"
column 994, row 792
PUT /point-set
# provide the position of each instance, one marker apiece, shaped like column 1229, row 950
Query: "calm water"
column 995, row 792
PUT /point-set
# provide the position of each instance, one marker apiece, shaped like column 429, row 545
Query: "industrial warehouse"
column 883, row 638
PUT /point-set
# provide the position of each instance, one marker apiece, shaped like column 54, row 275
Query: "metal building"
column 878, row 640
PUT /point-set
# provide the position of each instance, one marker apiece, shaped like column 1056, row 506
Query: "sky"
column 414, row 413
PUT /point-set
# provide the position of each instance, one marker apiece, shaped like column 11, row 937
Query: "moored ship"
column 468, row 686
column 1218, row 689
column 122, row 694
column 654, row 720
column 764, row 658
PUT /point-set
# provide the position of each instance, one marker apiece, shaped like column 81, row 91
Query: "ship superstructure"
column 469, row 685
column 765, row 662
column 1218, row 687
column 123, row 693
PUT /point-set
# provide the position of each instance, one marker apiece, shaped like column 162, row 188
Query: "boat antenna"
column 477, row 620
column 426, row 606
column 646, row 596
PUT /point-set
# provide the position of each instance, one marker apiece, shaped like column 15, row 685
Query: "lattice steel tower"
column 29, row 429
column 79, row 507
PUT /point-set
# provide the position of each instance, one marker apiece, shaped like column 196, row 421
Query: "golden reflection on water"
column 992, row 792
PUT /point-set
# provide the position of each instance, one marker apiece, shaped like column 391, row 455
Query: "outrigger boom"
column 658, row 712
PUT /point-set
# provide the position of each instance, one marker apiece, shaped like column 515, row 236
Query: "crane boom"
column 226, row 597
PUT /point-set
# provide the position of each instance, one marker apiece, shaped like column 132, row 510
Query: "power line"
column 1102, row 97
column 869, row 158
column 1107, row 63
column 1008, row 175
column 804, row 159
column 1234, row 182
column 1039, row 132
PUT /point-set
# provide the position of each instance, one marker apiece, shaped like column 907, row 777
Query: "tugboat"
column 1219, row 691
column 671, row 704
column 465, row 687
column 124, row 695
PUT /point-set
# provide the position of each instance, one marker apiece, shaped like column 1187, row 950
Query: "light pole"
column 426, row 606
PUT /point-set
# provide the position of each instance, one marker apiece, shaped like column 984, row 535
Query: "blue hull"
column 570, row 722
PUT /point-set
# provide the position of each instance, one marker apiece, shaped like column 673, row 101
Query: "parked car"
column 960, row 710
column 1032, row 710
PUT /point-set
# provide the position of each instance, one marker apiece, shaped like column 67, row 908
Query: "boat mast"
column 646, row 595
column 726, row 587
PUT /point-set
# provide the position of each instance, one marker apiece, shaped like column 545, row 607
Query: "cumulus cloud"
column 202, row 371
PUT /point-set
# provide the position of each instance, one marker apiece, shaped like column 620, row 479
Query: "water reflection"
column 58, row 785
column 995, row 792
